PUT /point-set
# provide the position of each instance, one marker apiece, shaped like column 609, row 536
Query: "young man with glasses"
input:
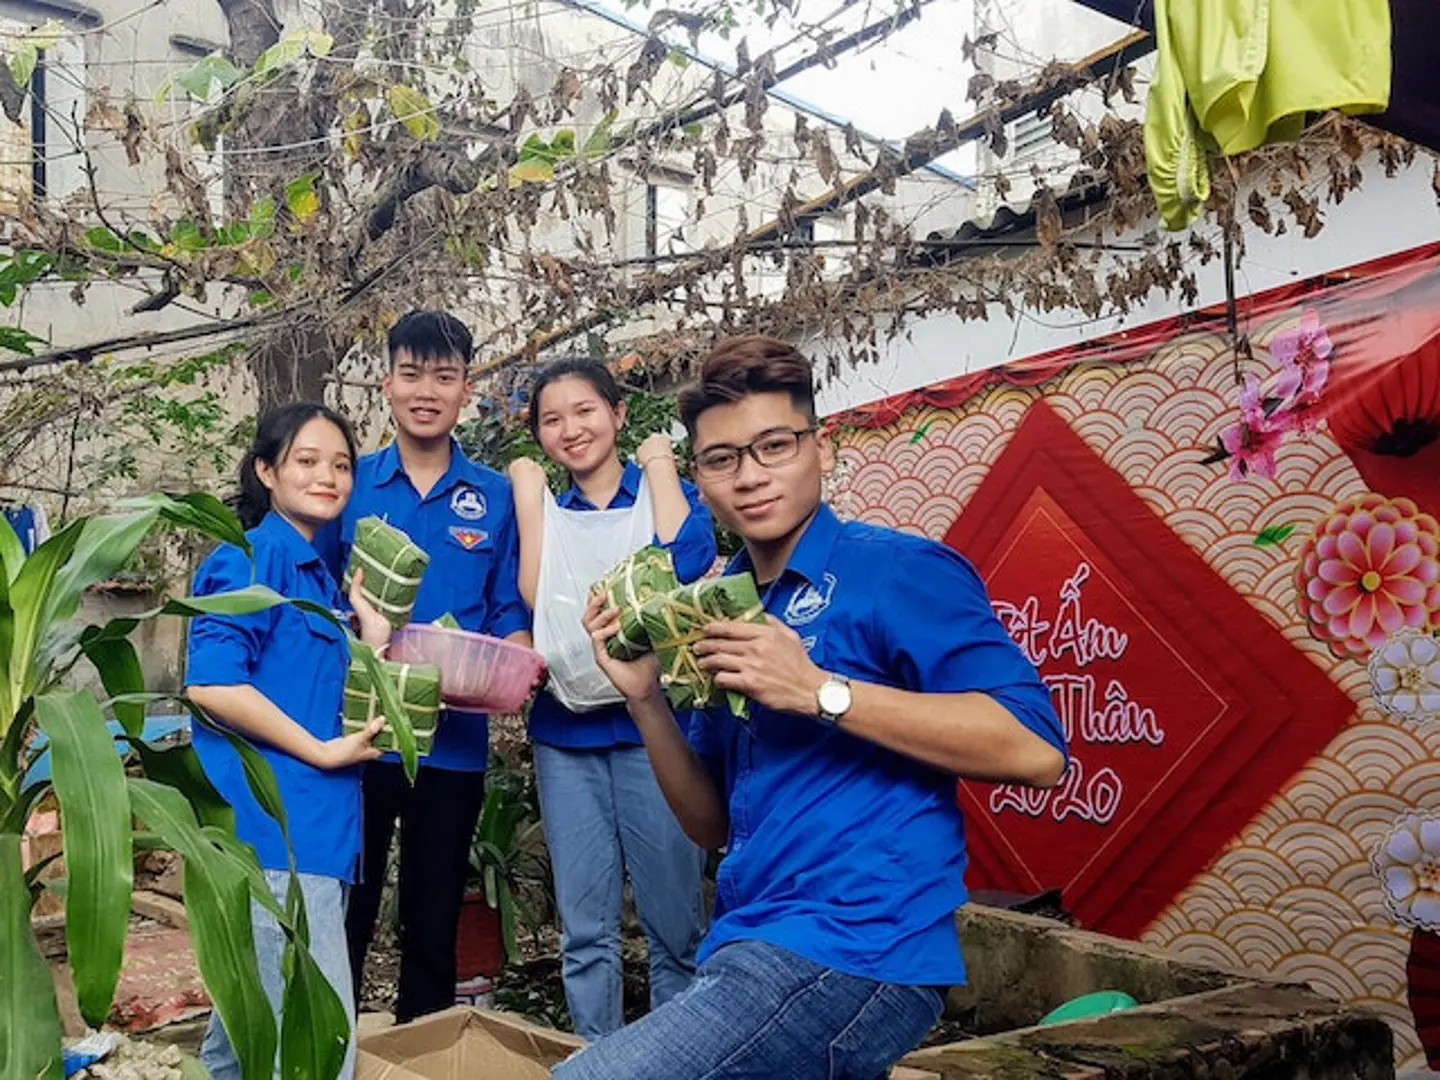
column 880, row 676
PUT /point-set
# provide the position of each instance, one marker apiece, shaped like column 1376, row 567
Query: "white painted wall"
column 1383, row 217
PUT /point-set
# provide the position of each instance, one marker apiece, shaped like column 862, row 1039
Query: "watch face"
column 834, row 698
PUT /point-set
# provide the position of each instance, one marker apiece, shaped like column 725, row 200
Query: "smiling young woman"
column 604, row 815
column 296, row 480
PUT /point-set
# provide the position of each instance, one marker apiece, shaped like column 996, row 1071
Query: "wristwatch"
column 833, row 698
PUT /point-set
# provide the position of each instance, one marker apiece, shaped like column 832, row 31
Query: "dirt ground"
column 532, row 987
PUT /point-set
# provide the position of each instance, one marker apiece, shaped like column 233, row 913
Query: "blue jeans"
column 605, row 817
column 325, row 910
column 757, row 1012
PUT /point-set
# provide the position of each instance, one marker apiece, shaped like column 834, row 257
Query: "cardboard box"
column 463, row 1044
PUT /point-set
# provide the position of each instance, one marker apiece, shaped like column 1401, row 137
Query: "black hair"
column 430, row 335
column 583, row 367
column 273, row 436
column 749, row 364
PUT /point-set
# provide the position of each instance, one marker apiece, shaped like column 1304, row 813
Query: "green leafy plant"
column 502, row 855
column 40, row 644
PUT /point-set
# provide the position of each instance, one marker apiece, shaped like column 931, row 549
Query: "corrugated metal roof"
column 1086, row 188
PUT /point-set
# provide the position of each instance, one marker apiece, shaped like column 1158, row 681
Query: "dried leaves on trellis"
column 488, row 242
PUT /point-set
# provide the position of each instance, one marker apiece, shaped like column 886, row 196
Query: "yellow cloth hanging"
column 1245, row 72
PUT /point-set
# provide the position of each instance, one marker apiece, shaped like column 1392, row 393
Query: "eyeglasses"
column 769, row 448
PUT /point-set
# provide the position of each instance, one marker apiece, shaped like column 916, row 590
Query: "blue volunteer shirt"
column 299, row 661
column 840, row 850
column 694, row 552
column 466, row 524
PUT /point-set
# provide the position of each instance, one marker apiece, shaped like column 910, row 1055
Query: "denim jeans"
column 755, row 1012
column 325, row 910
column 605, row 817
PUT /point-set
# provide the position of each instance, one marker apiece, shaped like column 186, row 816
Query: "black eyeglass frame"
column 796, row 434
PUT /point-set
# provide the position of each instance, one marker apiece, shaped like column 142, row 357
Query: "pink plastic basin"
column 476, row 671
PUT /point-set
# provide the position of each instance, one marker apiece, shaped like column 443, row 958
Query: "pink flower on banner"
column 1250, row 445
column 1304, row 358
column 1371, row 569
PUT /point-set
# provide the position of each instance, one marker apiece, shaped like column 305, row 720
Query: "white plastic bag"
column 578, row 548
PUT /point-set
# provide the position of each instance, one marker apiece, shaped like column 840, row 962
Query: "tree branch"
column 919, row 150
column 85, row 354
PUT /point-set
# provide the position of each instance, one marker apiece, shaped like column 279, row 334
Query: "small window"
column 1030, row 135
column 42, row 155
column 819, row 228
column 667, row 209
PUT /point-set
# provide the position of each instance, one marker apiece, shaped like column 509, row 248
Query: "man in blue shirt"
column 462, row 515
column 881, row 675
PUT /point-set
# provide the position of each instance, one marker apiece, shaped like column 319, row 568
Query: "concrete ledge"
column 1022, row 966
column 1263, row 1030
column 159, row 907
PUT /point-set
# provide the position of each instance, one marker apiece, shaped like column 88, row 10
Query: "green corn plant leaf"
column 29, row 1018
column 391, row 705
column 67, row 644
column 260, row 779
column 259, row 776
column 148, row 841
column 179, row 767
column 30, row 599
column 32, row 875
column 261, row 598
column 105, row 545
column 244, row 857
column 12, row 552
column 108, row 542
column 89, row 780
column 198, row 510
column 118, row 665
column 244, row 601
column 19, row 813
column 314, row 1027
column 217, row 902
column 297, row 919
column 14, row 763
